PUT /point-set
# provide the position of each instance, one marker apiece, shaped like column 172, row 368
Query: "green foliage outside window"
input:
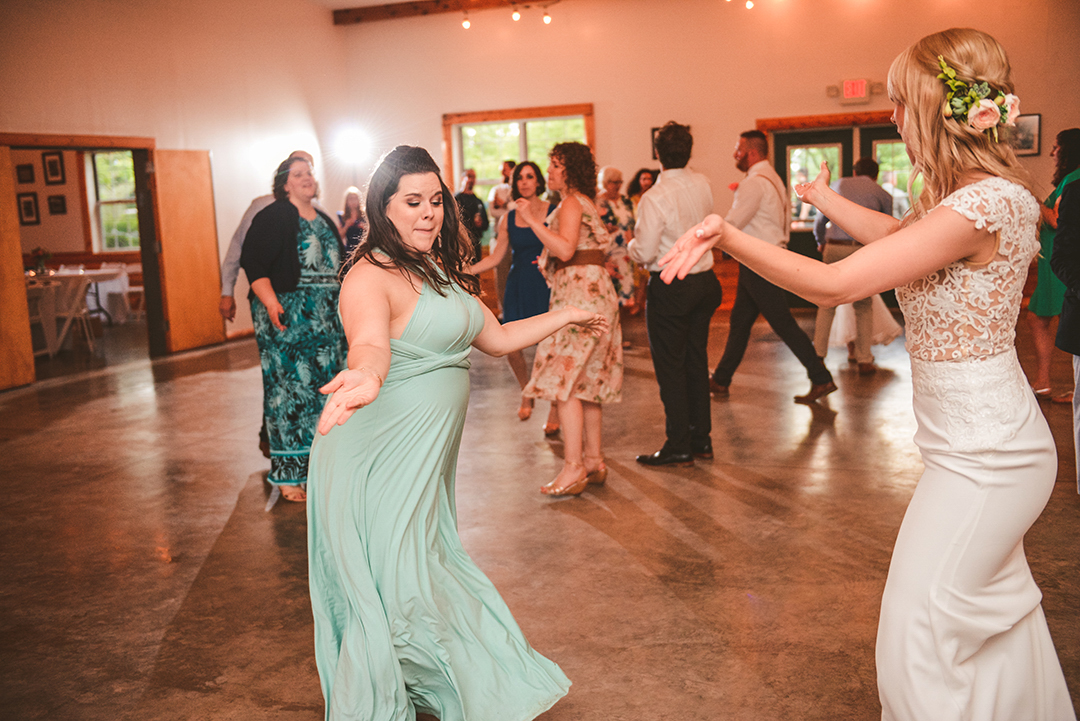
column 117, row 212
column 484, row 147
column 894, row 173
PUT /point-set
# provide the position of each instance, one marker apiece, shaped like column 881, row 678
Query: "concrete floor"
column 143, row 577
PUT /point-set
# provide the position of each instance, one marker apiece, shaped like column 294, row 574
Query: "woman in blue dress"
column 527, row 293
column 292, row 254
column 405, row 622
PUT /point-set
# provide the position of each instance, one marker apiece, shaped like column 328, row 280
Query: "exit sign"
column 855, row 92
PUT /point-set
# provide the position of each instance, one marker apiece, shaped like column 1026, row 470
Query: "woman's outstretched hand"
column 594, row 323
column 814, row 191
column 689, row 248
column 351, row 389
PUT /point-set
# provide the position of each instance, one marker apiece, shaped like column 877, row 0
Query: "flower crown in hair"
column 972, row 103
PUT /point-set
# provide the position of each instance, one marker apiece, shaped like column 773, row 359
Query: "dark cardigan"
column 1065, row 262
column 270, row 249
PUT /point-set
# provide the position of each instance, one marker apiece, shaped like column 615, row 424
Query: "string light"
column 749, row 4
column 547, row 18
column 516, row 15
column 465, row 22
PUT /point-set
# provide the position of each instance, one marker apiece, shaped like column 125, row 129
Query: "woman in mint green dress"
column 405, row 623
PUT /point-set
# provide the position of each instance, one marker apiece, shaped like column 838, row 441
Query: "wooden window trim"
column 487, row 116
column 835, row 120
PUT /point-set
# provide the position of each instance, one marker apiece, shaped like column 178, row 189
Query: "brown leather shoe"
column 716, row 390
column 817, row 390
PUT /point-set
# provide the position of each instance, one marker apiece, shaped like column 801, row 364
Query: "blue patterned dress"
column 310, row 351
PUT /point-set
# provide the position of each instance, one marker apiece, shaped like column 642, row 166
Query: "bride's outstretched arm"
column 862, row 224
column 941, row 238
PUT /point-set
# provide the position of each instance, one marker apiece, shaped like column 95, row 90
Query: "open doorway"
column 161, row 200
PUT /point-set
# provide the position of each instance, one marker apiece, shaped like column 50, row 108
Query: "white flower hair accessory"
column 973, row 105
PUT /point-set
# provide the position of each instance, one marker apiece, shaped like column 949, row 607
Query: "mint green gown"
column 404, row 620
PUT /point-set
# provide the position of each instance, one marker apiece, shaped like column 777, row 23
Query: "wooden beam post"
column 395, row 11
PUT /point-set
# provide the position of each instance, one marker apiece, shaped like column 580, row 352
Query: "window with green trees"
column 117, row 213
column 484, row 146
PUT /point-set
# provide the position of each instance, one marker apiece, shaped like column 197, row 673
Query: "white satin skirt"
column 962, row 635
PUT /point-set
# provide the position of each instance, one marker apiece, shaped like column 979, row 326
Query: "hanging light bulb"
column 749, row 4
column 547, row 18
column 516, row 15
column 465, row 22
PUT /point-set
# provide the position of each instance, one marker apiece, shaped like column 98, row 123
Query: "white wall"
column 711, row 64
column 251, row 81
column 248, row 81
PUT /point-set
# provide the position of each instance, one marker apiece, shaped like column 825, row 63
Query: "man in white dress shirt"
column 762, row 209
column 677, row 315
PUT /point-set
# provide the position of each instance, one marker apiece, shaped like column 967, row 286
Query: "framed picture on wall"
column 25, row 173
column 1026, row 136
column 57, row 204
column 28, row 209
column 53, row 163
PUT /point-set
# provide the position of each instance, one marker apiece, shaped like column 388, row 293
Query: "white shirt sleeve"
column 747, row 201
column 650, row 224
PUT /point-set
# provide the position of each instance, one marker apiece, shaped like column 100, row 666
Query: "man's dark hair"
column 673, row 145
column 867, row 167
column 757, row 140
column 1068, row 157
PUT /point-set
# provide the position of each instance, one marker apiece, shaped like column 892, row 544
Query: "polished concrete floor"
column 144, row 578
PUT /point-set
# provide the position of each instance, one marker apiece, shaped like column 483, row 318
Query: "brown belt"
column 842, row 242
column 581, row 257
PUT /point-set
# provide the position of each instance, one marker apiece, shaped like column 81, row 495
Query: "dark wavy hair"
column 281, row 176
column 634, row 187
column 541, row 184
column 1068, row 157
column 580, row 166
column 452, row 249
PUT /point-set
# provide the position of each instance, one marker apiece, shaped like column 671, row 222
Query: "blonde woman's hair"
column 944, row 150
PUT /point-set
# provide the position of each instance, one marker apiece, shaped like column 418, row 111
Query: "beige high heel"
column 526, row 408
column 598, row 476
column 573, row 488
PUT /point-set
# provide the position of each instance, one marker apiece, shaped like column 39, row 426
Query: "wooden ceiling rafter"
column 396, row 11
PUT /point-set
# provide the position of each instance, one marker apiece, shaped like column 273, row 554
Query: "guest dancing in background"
column 527, row 293
column 642, row 181
column 578, row 370
column 351, row 221
column 962, row 633
column 404, row 621
column 1045, row 303
column 617, row 214
column 1065, row 263
column 292, row 255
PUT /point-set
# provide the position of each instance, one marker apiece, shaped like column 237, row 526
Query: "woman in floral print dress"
column 578, row 371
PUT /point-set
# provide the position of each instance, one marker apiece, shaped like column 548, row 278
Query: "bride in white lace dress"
column 962, row 633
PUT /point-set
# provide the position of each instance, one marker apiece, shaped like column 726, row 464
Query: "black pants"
column 677, row 317
column 757, row 296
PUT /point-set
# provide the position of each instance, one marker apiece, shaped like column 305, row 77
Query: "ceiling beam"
column 393, row 11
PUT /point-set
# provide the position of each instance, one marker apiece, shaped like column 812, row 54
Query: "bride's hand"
column 594, row 323
column 349, row 391
column 814, row 191
column 688, row 249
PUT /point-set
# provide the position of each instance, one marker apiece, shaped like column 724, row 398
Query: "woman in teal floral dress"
column 291, row 257
column 617, row 214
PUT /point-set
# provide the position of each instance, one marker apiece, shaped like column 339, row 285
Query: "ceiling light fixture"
column 547, row 17
column 516, row 15
column 465, row 22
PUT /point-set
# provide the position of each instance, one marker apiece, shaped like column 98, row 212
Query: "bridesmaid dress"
column 404, row 620
column 962, row 635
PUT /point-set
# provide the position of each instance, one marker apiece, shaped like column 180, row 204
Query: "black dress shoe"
column 716, row 390
column 817, row 390
column 702, row 451
column 664, row 457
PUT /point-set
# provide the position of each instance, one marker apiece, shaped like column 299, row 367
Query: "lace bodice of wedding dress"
column 966, row 311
